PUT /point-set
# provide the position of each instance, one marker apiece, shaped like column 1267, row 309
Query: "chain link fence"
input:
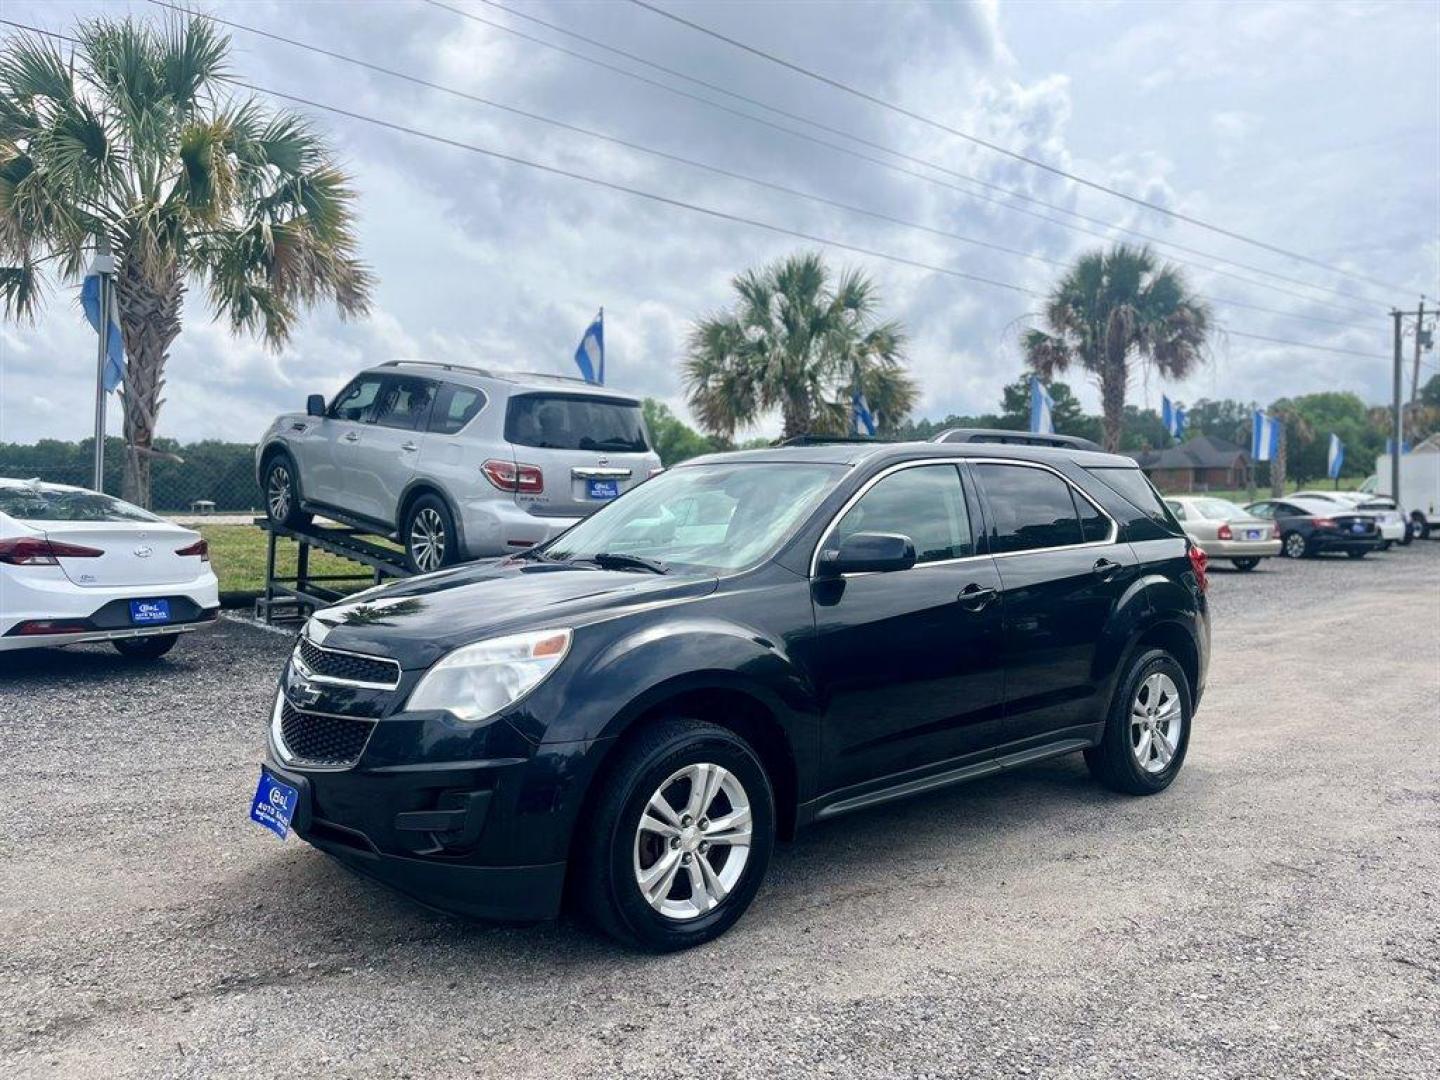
column 200, row 478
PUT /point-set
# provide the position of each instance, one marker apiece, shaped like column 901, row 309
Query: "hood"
column 418, row 620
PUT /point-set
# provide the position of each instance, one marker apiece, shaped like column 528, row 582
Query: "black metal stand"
column 295, row 597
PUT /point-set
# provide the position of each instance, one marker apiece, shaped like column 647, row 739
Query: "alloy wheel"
column 1295, row 546
column 427, row 539
column 1156, row 719
column 693, row 841
column 277, row 493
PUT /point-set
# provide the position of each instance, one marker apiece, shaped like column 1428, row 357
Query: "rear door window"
column 404, row 403
column 455, row 406
column 575, row 422
column 1030, row 508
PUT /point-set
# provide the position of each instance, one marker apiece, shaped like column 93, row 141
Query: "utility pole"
column 1397, row 427
column 1415, row 376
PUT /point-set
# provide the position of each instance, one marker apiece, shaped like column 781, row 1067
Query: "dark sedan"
column 1311, row 526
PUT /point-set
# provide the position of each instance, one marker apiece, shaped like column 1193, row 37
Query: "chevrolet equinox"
column 630, row 714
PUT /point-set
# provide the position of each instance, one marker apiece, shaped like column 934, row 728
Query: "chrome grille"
column 322, row 741
column 347, row 667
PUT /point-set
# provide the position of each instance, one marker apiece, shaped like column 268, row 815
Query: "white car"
column 1391, row 519
column 77, row 566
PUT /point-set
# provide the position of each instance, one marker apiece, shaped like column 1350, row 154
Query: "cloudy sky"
column 1312, row 127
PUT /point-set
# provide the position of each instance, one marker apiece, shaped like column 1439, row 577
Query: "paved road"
column 1275, row 914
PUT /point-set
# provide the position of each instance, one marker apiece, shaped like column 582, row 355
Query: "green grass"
column 237, row 552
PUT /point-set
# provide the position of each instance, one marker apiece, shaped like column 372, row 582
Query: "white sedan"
column 77, row 566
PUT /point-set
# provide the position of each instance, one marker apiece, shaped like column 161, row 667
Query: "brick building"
column 1204, row 463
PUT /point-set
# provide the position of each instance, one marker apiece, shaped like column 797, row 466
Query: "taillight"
column 508, row 476
column 1224, row 533
column 53, row 626
column 199, row 547
column 30, row 551
column 1274, row 532
column 1199, row 562
column 1323, row 523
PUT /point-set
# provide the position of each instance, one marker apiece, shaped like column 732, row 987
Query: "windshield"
column 703, row 517
column 30, row 503
column 1220, row 510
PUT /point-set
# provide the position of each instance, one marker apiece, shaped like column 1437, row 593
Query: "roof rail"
column 1014, row 438
column 444, row 364
column 822, row 440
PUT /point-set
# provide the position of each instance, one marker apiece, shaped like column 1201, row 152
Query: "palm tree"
column 1112, row 310
column 133, row 143
column 1292, row 421
column 793, row 343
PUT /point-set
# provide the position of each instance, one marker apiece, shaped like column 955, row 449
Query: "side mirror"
column 863, row 552
column 315, row 405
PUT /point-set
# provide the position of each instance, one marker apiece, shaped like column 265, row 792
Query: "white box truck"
column 1419, row 485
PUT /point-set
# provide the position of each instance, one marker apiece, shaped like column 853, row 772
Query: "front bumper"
column 507, row 893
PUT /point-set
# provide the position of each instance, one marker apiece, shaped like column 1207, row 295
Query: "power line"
column 718, row 170
column 664, row 199
column 851, row 152
column 1025, row 158
column 1306, row 345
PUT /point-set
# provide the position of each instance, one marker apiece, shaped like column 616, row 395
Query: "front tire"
column 282, row 493
column 1419, row 528
column 1148, row 730
column 145, row 648
column 1294, row 546
column 678, row 842
column 1358, row 553
column 1247, row 563
column 431, row 540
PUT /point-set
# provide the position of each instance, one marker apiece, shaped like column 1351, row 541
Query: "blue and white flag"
column 1390, row 446
column 1042, row 409
column 590, row 356
column 114, row 343
column 1173, row 416
column 1336, row 457
column 1265, row 439
column 861, row 419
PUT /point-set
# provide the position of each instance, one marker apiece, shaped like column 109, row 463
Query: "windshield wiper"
column 619, row 560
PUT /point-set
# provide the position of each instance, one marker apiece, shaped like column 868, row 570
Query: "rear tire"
column 613, row 853
column 1385, row 545
column 1141, row 729
column 145, row 648
column 281, row 488
column 1357, row 553
column 1248, row 563
column 1294, row 546
column 1419, row 527
column 431, row 541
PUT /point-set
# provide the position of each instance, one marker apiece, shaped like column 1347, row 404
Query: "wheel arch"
column 423, row 485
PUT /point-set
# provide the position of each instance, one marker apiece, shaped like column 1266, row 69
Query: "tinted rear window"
column 34, row 504
column 1134, row 487
column 455, row 406
column 575, row 422
column 1030, row 508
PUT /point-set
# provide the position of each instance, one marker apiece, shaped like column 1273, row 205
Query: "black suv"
column 633, row 712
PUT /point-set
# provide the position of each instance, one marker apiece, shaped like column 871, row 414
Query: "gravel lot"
column 1275, row 913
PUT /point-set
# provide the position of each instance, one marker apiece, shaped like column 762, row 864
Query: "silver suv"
column 454, row 461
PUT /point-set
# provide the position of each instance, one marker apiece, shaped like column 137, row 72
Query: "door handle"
column 975, row 597
column 351, row 436
column 1104, row 569
column 409, row 446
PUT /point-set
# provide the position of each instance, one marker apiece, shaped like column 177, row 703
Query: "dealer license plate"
column 149, row 612
column 602, row 489
column 1358, row 527
column 274, row 805
column 1252, row 534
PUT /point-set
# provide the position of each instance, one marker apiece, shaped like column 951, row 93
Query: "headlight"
column 481, row 679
